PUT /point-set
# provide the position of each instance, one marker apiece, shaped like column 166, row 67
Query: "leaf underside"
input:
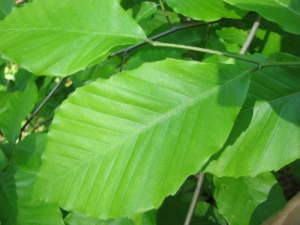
column 135, row 137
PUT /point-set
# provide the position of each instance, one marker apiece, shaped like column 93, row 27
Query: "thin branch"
column 42, row 105
column 165, row 13
column 251, row 35
column 195, row 199
column 41, row 124
column 197, row 49
column 124, row 61
column 239, row 57
column 172, row 30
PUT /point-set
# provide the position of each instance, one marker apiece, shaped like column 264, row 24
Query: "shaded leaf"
column 77, row 218
column 142, row 11
column 136, row 137
column 27, row 154
column 205, row 9
column 15, row 190
column 266, row 134
column 62, row 37
column 5, row 7
column 285, row 13
column 248, row 200
column 3, row 160
column 14, row 107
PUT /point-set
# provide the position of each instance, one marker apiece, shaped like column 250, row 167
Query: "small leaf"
column 248, row 200
column 205, row 9
column 285, row 13
column 14, row 107
column 62, row 37
column 136, row 137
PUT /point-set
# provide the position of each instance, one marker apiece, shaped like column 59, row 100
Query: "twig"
column 172, row 30
column 197, row 49
column 42, row 105
column 123, row 63
column 41, row 124
column 165, row 13
column 195, row 199
column 251, row 35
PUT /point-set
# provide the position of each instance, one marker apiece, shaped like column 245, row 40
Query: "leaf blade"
column 285, row 13
column 67, row 37
column 142, row 124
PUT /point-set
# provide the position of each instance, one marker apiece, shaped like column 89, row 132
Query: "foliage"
column 131, row 120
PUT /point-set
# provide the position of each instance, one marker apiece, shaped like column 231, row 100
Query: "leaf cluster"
column 110, row 109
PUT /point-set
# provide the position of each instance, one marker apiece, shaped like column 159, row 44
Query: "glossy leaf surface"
column 266, row 134
column 284, row 12
column 135, row 137
column 62, row 37
column 248, row 200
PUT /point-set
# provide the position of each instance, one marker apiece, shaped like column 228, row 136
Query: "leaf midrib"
column 168, row 114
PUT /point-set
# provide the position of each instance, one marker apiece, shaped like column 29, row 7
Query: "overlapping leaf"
column 62, row 37
column 117, row 147
column 248, row 200
column 5, row 7
column 266, row 135
column 285, row 13
column 16, row 208
column 205, row 9
column 14, row 108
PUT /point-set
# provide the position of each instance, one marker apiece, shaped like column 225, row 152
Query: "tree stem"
column 195, row 199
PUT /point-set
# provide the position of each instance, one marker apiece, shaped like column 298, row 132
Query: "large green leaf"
column 62, row 37
column 16, row 208
column 206, row 10
column 266, row 134
column 117, row 147
column 248, row 200
column 284, row 12
column 14, row 107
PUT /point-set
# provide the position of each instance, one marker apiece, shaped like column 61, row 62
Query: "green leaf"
column 205, row 9
column 14, row 107
column 77, row 218
column 285, row 13
column 62, row 37
column 266, row 134
column 142, row 11
column 22, row 77
column 131, row 140
column 27, row 154
column 3, row 160
column 5, row 7
column 3, row 80
column 15, row 208
column 248, row 200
